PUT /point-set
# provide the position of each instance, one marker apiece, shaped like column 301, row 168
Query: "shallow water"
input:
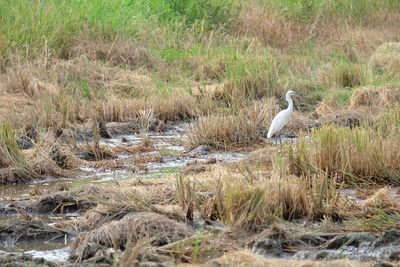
column 169, row 148
column 48, row 251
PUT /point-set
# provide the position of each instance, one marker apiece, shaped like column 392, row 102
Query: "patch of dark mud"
column 12, row 207
column 121, row 128
column 360, row 246
column 90, row 152
column 345, row 118
column 159, row 229
column 67, row 201
column 11, row 175
column 28, row 229
column 63, row 202
column 16, row 260
column 202, row 150
column 24, row 260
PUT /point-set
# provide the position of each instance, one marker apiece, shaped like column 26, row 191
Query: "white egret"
column 282, row 117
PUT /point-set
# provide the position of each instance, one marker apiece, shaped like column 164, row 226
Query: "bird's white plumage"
column 278, row 122
column 282, row 117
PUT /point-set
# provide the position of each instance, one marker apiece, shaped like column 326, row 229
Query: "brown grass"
column 222, row 132
column 246, row 258
column 262, row 158
column 131, row 228
column 348, row 75
column 132, row 149
column 176, row 107
column 270, row 27
column 327, row 106
column 253, row 199
column 386, row 60
column 372, row 98
column 358, row 155
column 94, row 151
column 60, row 93
column 382, row 200
column 119, row 52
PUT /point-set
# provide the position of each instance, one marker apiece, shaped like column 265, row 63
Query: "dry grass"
column 132, row 149
column 328, row 105
column 119, row 110
column 131, row 228
column 63, row 93
column 269, row 26
column 177, row 107
column 382, row 200
column 246, row 258
column 262, row 158
column 356, row 155
column 252, row 199
column 21, row 166
column 222, row 132
column 386, row 60
column 374, row 99
column 94, row 151
column 348, row 75
column 118, row 52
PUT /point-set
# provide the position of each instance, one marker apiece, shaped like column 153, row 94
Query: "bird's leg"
column 280, row 139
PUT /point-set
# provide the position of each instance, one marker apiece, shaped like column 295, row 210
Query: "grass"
column 356, row 156
column 223, row 66
column 12, row 155
column 254, row 200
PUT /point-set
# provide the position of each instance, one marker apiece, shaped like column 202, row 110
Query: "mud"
column 59, row 220
column 29, row 212
column 27, row 230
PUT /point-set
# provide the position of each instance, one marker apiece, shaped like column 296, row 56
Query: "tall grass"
column 350, row 9
column 11, row 154
column 359, row 155
column 254, row 200
column 36, row 24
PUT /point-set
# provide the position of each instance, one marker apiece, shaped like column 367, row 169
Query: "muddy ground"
column 98, row 215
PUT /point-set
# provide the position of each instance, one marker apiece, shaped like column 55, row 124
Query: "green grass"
column 196, row 43
column 342, row 96
column 309, row 9
column 54, row 23
column 11, row 154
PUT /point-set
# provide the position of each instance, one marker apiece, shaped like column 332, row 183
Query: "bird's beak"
column 298, row 94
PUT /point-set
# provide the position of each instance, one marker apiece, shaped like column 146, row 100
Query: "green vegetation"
column 68, row 68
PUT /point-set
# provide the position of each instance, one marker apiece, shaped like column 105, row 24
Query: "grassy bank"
column 69, row 68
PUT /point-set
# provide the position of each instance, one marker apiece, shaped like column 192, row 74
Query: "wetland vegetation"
column 132, row 133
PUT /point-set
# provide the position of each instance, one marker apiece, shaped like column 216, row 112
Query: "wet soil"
column 30, row 214
column 35, row 208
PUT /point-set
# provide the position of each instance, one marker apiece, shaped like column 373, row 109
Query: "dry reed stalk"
column 131, row 228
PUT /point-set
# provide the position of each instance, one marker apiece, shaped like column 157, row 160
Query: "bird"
column 282, row 117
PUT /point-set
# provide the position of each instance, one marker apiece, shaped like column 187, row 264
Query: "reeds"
column 357, row 155
column 254, row 200
column 222, row 132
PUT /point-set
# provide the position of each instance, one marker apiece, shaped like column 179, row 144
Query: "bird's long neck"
column 290, row 106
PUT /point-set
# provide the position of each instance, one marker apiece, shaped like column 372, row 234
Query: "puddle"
column 283, row 140
column 351, row 194
column 48, row 251
column 170, row 157
column 168, row 146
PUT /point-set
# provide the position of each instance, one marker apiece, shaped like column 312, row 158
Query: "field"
column 133, row 133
